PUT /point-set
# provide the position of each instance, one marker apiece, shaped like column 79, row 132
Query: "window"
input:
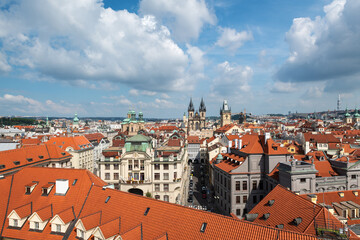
column 130, row 165
column 254, row 185
column 15, row 223
column 157, row 166
column 157, row 188
column 261, row 185
column 166, row 166
column 166, row 198
column 302, row 180
column 80, row 234
column 107, row 176
column 157, row 176
column 107, row 166
column 142, row 165
column 237, row 186
column 244, row 199
column 175, row 166
column 166, row 187
column 237, row 199
column 116, row 166
column 157, row 197
column 136, row 164
column 244, row 185
column 116, row 176
column 166, row 176
column 254, row 199
column 58, row 228
column 36, row 225
column 353, row 176
column 28, row 190
column 238, row 212
column 175, row 175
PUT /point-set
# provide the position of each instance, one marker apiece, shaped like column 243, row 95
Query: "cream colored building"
column 138, row 170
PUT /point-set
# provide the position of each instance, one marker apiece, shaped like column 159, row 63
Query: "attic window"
column 16, row 162
column 41, row 156
column 29, row 159
column 297, row 221
column 2, row 166
column 63, row 153
column 275, row 148
column 271, row 202
column 266, row 216
column 74, row 182
column 203, row 227
column 146, row 211
column 281, row 226
column 341, row 194
column 107, row 199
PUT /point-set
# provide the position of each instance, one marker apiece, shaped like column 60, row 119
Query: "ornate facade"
column 196, row 120
column 131, row 125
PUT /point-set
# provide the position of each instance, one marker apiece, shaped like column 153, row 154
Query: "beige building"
column 141, row 169
column 225, row 114
column 131, row 125
column 79, row 147
column 196, row 120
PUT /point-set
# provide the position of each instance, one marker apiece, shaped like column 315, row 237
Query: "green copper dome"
column 347, row 114
column 76, row 119
column 356, row 115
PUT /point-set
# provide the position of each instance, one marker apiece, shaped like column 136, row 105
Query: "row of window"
column 165, row 166
column 255, row 185
column 165, row 187
column 165, row 176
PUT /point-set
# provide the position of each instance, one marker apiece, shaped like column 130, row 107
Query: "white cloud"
column 232, row 40
column 231, row 79
column 25, row 105
column 148, row 93
column 185, row 18
column 283, row 87
column 83, row 42
column 134, row 92
column 326, row 48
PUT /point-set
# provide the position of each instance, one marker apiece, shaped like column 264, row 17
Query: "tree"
column 148, row 194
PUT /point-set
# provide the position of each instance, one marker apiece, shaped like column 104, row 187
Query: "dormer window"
column 30, row 187
column 2, row 166
column 41, row 156
column 58, row 228
column 80, row 234
column 15, row 223
column 46, row 189
column 29, row 159
column 16, row 162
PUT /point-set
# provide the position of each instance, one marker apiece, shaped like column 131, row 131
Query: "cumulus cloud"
column 231, row 79
column 83, row 42
column 283, row 87
column 233, row 40
column 29, row 106
column 326, row 48
column 185, row 18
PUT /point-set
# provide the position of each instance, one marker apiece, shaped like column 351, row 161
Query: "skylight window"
column 107, row 199
column 29, row 159
column 17, row 162
column 41, row 156
column 203, row 227
column 2, row 166
column 146, row 211
column 74, row 182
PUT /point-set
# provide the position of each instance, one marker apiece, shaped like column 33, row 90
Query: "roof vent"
column 356, row 193
column 61, row 186
column 297, row 221
column 271, row 202
column 203, row 227
column 341, row 194
column 16, row 162
column 146, row 211
column 266, row 216
column 251, row 217
column 281, row 226
column 29, row 159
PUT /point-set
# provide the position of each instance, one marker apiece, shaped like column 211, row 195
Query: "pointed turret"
column 191, row 106
column 202, row 106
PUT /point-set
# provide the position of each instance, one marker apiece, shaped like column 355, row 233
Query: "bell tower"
column 225, row 114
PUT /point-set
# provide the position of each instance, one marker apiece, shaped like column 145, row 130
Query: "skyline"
column 100, row 58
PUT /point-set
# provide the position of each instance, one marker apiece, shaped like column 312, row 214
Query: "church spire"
column 202, row 106
column 191, row 106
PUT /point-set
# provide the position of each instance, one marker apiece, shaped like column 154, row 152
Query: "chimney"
column 236, row 143
column 313, row 198
column 240, row 143
column 230, row 145
column 267, row 136
column 61, row 186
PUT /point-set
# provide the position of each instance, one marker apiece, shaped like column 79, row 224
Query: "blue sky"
column 100, row 58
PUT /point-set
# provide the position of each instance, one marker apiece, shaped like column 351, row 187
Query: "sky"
column 102, row 58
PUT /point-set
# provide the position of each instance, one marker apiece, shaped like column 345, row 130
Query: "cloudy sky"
column 100, row 58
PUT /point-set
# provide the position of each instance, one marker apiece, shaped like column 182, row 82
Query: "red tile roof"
column 193, row 139
column 76, row 143
column 94, row 137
